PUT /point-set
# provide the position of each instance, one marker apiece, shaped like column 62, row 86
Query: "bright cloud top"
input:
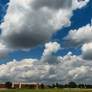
column 79, row 37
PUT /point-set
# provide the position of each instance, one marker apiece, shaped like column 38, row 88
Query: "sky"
column 46, row 41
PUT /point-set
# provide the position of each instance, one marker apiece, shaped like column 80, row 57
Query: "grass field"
column 47, row 90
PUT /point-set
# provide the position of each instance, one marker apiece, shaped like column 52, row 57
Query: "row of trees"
column 69, row 85
column 57, row 85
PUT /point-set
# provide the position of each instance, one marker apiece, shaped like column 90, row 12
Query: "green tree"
column 81, row 86
column 32, row 86
column 8, row 84
column 72, row 85
column 42, row 86
column 57, row 85
column 53, row 85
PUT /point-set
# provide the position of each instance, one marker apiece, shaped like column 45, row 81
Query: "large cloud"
column 25, row 27
column 32, row 69
column 63, row 69
column 30, row 23
column 79, row 37
column 50, row 48
column 70, row 68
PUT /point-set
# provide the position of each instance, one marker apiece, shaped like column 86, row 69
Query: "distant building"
column 2, row 85
column 22, row 85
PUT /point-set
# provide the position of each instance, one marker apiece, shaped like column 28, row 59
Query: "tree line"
column 56, row 85
column 70, row 85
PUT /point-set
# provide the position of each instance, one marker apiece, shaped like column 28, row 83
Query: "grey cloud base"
column 53, row 4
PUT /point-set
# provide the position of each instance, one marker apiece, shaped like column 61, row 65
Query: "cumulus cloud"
column 79, row 71
column 79, row 3
column 70, row 68
column 87, row 51
column 32, row 69
column 4, row 51
column 25, row 27
column 50, row 48
column 48, row 69
column 79, row 37
column 30, row 23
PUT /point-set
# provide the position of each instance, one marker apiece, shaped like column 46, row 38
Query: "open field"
column 47, row 90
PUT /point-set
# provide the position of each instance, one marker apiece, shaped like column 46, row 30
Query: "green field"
column 47, row 90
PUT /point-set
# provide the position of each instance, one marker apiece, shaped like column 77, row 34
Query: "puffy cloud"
column 74, row 68
column 19, row 71
column 3, row 51
column 87, row 51
column 49, row 69
column 25, row 27
column 70, row 68
column 79, row 3
column 79, row 37
column 79, row 71
column 30, row 23
column 50, row 48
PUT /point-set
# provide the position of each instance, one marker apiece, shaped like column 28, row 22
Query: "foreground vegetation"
column 46, row 90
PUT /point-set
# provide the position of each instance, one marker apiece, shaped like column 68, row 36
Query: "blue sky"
column 43, row 37
column 80, row 18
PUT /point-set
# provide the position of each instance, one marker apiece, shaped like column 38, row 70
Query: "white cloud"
column 86, row 47
column 25, row 27
column 69, row 68
column 79, row 3
column 87, row 51
column 79, row 71
column 30, row 23
column 50, row 48
column 55, row 69
column 79, row 37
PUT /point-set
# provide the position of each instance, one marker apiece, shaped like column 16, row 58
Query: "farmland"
column 46, row 90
